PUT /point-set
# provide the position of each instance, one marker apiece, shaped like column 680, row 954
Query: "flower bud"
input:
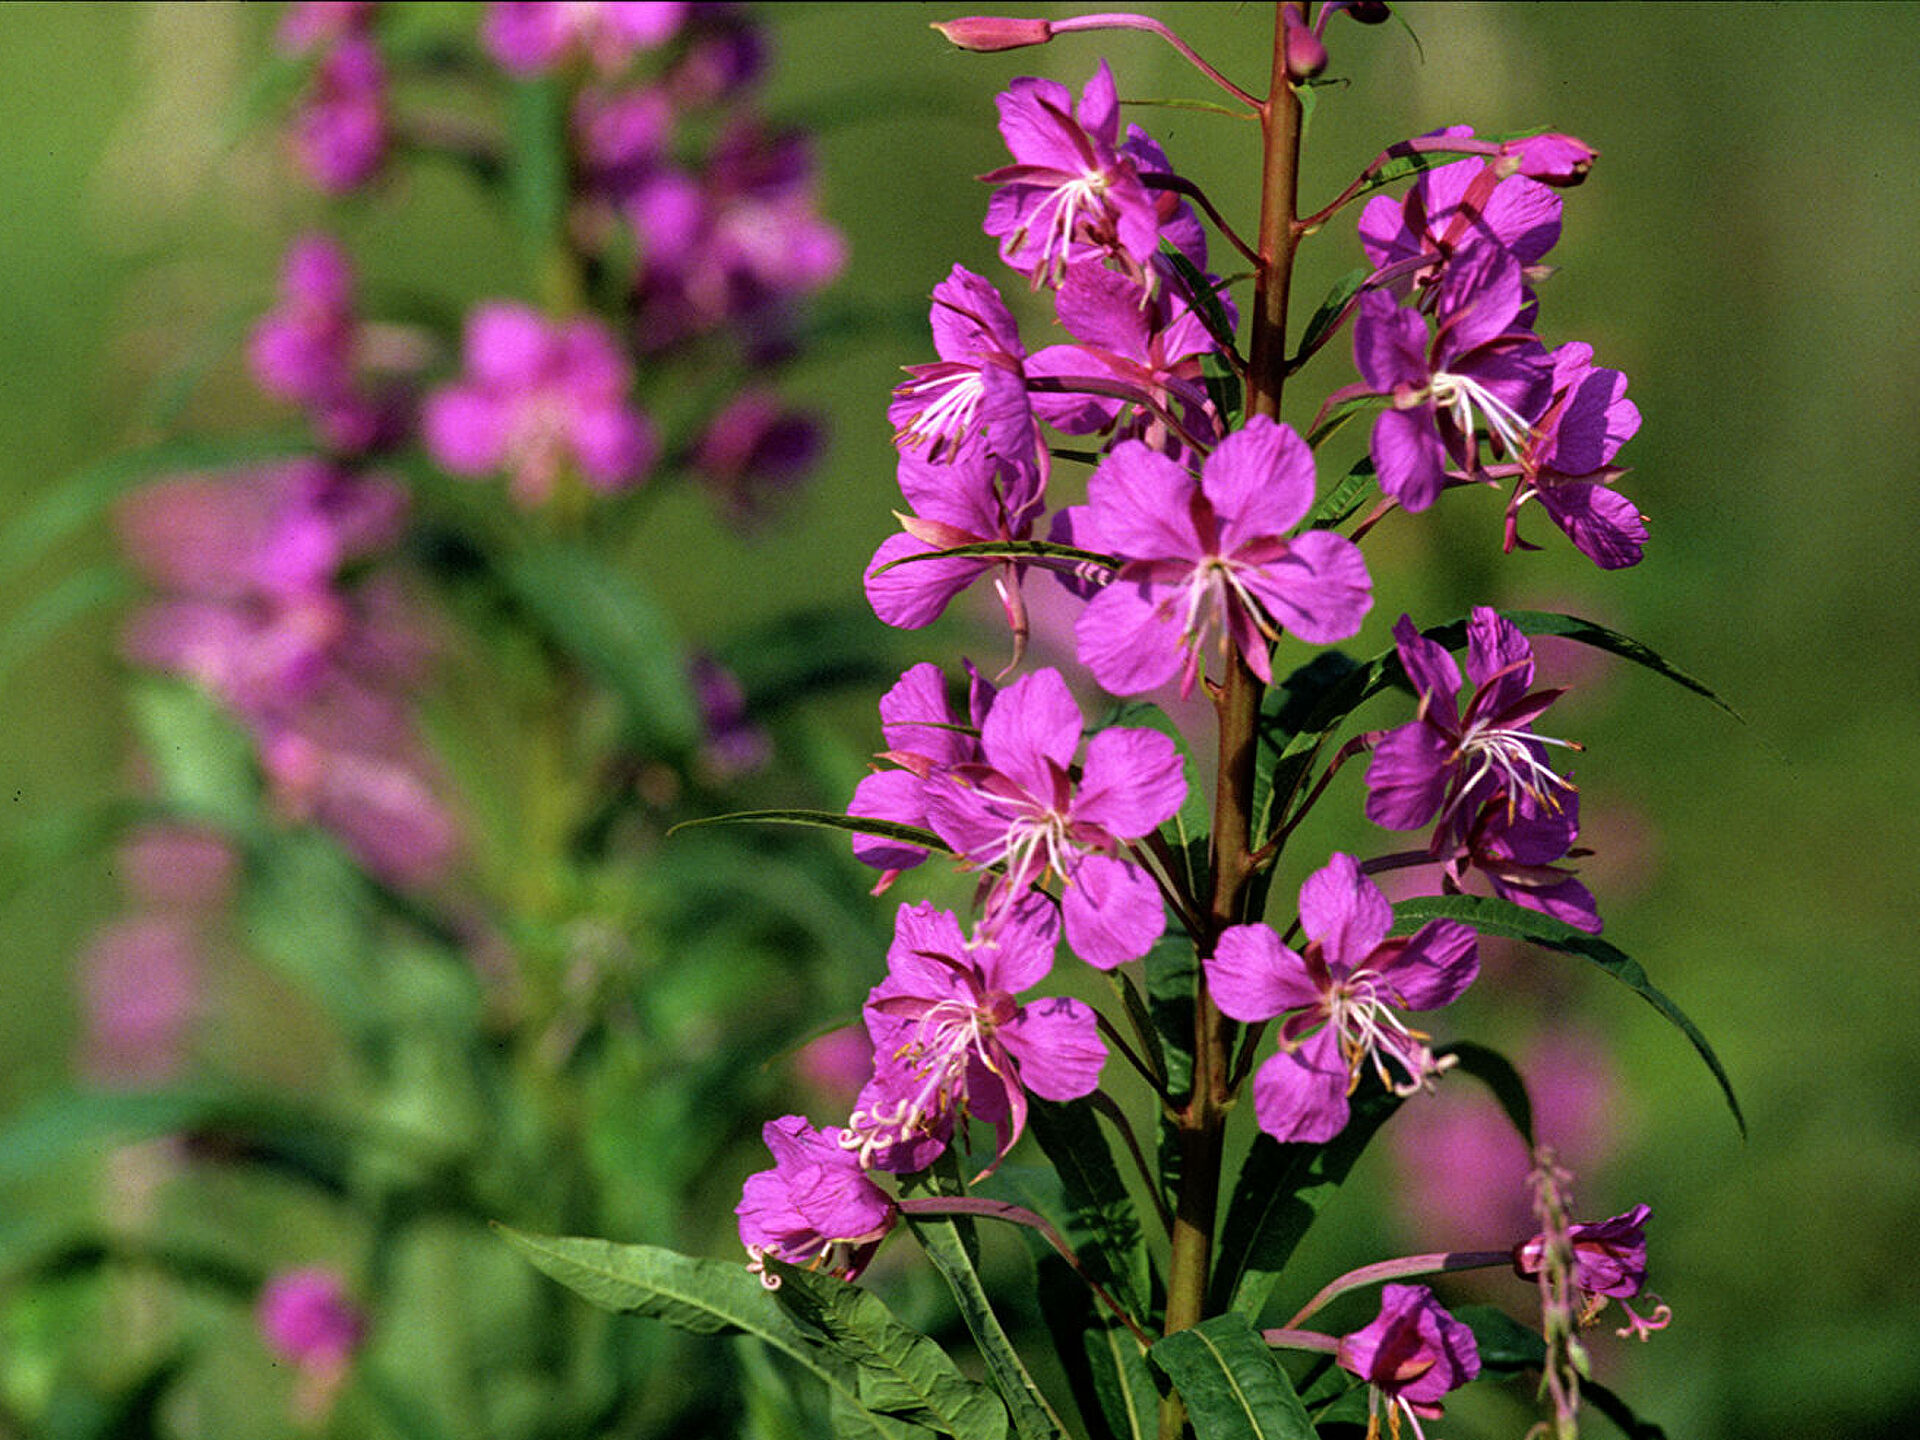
column 1367, row 12
column 1551, row 159
column 987, row 33
column 1306, row 53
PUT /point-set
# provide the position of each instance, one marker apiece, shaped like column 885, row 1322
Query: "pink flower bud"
column 1306, row 52
column 1551, row 159
column 987, row 33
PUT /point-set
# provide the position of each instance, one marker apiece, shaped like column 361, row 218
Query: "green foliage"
column 1233, row 1386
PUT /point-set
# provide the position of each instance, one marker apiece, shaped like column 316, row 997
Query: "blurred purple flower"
column 755, row 450
column 531, row 37
column 540, row 399
column 306, row 1318
column 734, row 745
column 339, row 130
column 141, row 978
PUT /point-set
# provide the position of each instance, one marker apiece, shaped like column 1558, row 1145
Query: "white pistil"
column 1461, row 395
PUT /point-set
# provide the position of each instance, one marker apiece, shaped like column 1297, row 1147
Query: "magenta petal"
column 888, row 795
column 1495, row 647
column 1302, row 1094
column 1320, row 589
column 1430, row 667
column 1408, row 457
column 1034, row 722
column 507, row 345
column 920, row 933
column 1344, row 911
column 1389, row 344
column 1056, row 1043
column 1407, row 777
column 1603, row 524
column 1435, row 967
column 1262, row 477
column 616, row 447
column 1138, row 503
column 1112, row 912
column 915, row 594
column 465, row 431
column 1253, row 977
column 1018, row 954
column 1131, row 781
column 1129, row 638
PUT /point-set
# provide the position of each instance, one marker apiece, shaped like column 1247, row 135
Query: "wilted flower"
column 816, row 1207
column 1411, row 1355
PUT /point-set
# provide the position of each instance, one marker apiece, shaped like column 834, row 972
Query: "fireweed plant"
column 412, row 725
column 1212, row 556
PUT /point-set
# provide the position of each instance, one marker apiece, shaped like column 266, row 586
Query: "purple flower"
column 977, row 385
column 1071, row 193
column 530, row 37
column 816, row 1207
column 1449, row 763
column 1568, row 465
column 975, row 497
column 1412, row 1354
column 755, row 450
column 142, row 984
column 1609, row 1257
column 924, row 738
column 1516, row 847
column 1479, row 373
column 1339, row 992
column 734, row 744
column 1149, row 344
column 951, row 1042
column 1024, row 807
column 308, row 23
column 1210, row 554
column 540, row 398
column 307, row 1319
column 1452, row 209
column 305, row 351
column 339, row 133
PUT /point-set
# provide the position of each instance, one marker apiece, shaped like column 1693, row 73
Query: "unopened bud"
column 986, row 33
column 1367, row 12
column 1306, row 54
column 1551, row 159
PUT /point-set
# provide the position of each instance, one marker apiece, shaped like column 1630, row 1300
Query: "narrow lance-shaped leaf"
column 1233, row 1386
column 1104, row 1362
column 1033, row 1417
column 1280, row 1190
column 1324, row 319
column 1101, row 1222
column 902, row 1372
column 1502, row 917
column 825, row 820
column 1010, row 550
column 702, row 1297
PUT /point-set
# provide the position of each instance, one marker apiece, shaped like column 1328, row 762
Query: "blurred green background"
column 1745, row 251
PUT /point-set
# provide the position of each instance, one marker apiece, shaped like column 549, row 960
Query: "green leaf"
column 203, row 760
column 53, row 610
column 1202, row 296
column 75, row 501
column 1105, row 1364
column 1346, row 498
column 825, row 820
column 702, row 1297
column 1506, row 1346
column 1321, row 325
column 1572, row 627
column 1101, row 1222
column 79, row 1124
column 1502, row 917
column 1496, row 1072
column 1010, row 550
column 305, row 911
column 613, row 627
column 1331, row 418
column 1619, row 1412
column 537, row 177
column 902, row 1372
column 1033, row 1417
column 1233, row 1386
column 1280, row 1190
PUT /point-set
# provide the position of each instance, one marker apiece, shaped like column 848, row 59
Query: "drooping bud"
column 987, row 33
column 1367, row 12
column 1306, row 52
column 1552, row 159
